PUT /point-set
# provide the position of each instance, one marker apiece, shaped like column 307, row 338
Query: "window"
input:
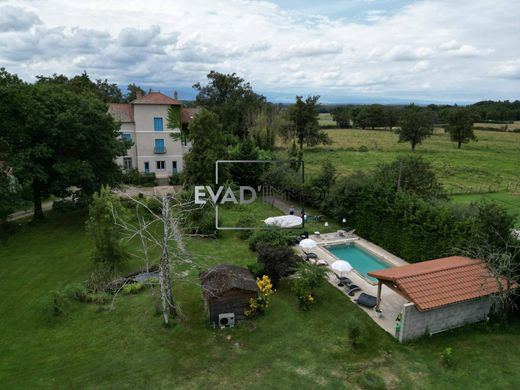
column 159, row 164
column 159, row 146
column 174, row 166
column 126, row 136
column 157, row 124
column 146, row 167
column 127, row 163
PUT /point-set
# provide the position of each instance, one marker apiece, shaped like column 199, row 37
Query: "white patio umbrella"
column 284, row 221
column 341, row 266
column 307, row 244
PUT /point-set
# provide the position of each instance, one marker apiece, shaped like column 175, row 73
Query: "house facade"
column 144, row 121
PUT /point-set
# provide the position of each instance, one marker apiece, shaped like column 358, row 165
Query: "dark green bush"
column 134, row 177
column 175, row 179
column 277, row 262
column 363, row 149
column 271, row 237
column 354, row 332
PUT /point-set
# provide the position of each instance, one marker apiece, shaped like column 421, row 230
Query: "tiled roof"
column 121, row 112
column 435, row 283
column 187, row 114
column 156, row 98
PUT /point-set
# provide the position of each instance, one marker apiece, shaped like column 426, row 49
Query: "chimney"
column 175, row 95
column 138, row 94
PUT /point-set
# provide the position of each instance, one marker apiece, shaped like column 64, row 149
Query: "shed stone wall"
column 415, row 323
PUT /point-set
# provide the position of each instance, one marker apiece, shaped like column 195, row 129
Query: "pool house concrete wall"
column 415, row 323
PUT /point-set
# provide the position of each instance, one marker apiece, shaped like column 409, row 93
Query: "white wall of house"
column 143, row 154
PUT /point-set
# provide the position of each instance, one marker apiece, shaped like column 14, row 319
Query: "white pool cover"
column 284, row 221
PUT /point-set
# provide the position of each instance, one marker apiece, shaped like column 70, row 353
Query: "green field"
column 492, row 161
column 129, row 348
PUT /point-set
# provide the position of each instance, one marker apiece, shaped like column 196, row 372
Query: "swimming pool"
column 361, row 260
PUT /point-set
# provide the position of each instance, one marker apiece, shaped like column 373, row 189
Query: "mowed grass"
column 287, row 348
column 510, row 201
column 492, row 162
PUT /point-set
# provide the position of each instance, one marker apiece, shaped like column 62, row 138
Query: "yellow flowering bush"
column 260, row 304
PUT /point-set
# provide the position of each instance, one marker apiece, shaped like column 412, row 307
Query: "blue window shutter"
column 158, row 124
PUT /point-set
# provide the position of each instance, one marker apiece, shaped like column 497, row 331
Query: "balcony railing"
column 159, row 150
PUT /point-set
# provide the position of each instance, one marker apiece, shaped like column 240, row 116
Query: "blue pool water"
column 360, row 260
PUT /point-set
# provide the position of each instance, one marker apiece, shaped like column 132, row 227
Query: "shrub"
column 306, row 280
column 371, row 381
column 99, row 298
column 270, row 237
column 59, row 302
column 133, row 176
column 76, row 291
column 277, row 262
column 175, row 179
column 447, row 357
column 261, row 303
column 100, row 278
column 363, row 149
column 354, row 333
column 246, row 221
column 133, row 288
column 256, row 269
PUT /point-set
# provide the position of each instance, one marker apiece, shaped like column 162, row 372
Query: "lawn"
column 287, row 347
column 492, row 162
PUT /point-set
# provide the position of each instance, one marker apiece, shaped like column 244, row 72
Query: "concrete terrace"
column 391, row 302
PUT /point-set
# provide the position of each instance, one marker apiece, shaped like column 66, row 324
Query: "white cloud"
column 386, row 52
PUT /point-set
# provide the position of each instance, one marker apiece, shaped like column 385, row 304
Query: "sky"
column 357, row 51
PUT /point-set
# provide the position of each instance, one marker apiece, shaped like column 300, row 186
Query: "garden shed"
column 227, row 289
column 442, row 294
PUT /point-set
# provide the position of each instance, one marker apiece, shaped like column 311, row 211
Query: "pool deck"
column 391, row 302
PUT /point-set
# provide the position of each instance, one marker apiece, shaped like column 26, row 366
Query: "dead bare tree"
column 147, row 227
column 504, row 270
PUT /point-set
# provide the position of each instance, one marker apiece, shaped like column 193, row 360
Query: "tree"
column 460, row 125
column 494, row 224
column 276, row 262
column 173, row 121
column 56, row 138
column 134, row 91
column 303, row 123
column 410, row 174
column 208, row 146
column 160, row 230
column 375, row 116
column 232, row 99
column 504, row 267
column 102, row 230
column 341, row 116
column 269, row 122
column 9, row 197
column 245, row 173
column 416, row 124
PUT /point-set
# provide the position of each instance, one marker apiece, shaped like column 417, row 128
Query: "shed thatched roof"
column 224, row 277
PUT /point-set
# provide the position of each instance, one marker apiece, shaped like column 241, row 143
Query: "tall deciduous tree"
column 341, row 116
column 460, row 125
column 133, row 91
column 416, row 125
column 232, row 99
column 208, row 145
column 102, row 230
column 303, row 123
column 57, row 138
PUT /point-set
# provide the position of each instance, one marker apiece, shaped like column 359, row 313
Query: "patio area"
column 391, row 302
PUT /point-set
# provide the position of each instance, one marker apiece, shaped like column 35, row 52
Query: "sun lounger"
column 343, row 281
column 366, row 300
column 351, row 289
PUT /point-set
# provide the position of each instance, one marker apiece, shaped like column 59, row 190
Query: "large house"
column 144, row 121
